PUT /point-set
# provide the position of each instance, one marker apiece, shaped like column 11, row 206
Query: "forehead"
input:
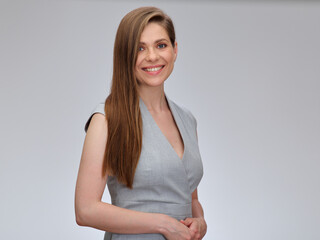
column 153, row 32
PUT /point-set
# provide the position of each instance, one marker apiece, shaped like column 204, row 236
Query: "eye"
column 162, row 45
column 140, row 49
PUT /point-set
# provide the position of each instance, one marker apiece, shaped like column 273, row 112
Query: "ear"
column 175, row 50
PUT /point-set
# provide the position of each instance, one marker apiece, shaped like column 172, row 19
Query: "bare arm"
column 197, row 223
column 197, row 210
column 92, row 212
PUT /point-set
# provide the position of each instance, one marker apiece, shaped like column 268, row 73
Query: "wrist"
column 203, row 225
column 161, row 224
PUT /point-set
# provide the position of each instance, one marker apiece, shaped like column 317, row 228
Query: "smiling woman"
column 141, row 144
column 156, row 55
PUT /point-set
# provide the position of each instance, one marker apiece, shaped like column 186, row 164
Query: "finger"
column 183, row 222
column 187, row 221
column 195, row 231
column 193, row 234
column 196, row 236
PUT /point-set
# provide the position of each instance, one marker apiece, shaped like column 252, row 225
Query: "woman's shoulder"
column 99, row 108
column 183, row 111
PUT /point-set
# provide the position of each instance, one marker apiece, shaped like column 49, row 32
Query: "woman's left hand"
column 198, row 225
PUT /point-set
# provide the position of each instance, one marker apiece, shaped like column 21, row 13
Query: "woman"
column 142, row 144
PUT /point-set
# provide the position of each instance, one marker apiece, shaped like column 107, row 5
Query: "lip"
column 153, row 66
column 155, row 72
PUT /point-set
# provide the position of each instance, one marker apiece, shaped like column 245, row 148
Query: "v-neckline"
column 174, row 116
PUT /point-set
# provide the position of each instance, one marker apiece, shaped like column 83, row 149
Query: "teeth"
column 152, row 69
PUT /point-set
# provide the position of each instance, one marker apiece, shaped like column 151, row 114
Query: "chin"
column 152, row 82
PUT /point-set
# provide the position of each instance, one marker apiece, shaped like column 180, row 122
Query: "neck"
column 153, row 98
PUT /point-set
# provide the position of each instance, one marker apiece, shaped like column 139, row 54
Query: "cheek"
column 137, row 71
column 139, row 60
column 137, row 66
column 137, row 74
column 170, row 57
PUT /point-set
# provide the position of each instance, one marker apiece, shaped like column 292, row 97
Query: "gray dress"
column 163, row 182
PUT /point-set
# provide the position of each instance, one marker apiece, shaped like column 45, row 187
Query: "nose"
column 152, row 55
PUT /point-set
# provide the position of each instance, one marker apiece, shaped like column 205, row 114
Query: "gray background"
column 248, row 70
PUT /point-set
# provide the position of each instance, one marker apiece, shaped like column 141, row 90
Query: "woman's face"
column 156, row 56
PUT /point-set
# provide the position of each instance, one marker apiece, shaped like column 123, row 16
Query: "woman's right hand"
column 172, row 229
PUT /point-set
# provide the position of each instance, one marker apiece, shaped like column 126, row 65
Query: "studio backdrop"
column 247, row 70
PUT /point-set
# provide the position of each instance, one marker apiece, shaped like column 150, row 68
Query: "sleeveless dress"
column 163, row 182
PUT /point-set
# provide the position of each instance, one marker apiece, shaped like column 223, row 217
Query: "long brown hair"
column 122, row 109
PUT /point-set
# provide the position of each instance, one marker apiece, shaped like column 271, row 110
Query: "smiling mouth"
column 153, row 69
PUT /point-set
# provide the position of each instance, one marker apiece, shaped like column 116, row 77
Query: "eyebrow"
column 159, row 40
